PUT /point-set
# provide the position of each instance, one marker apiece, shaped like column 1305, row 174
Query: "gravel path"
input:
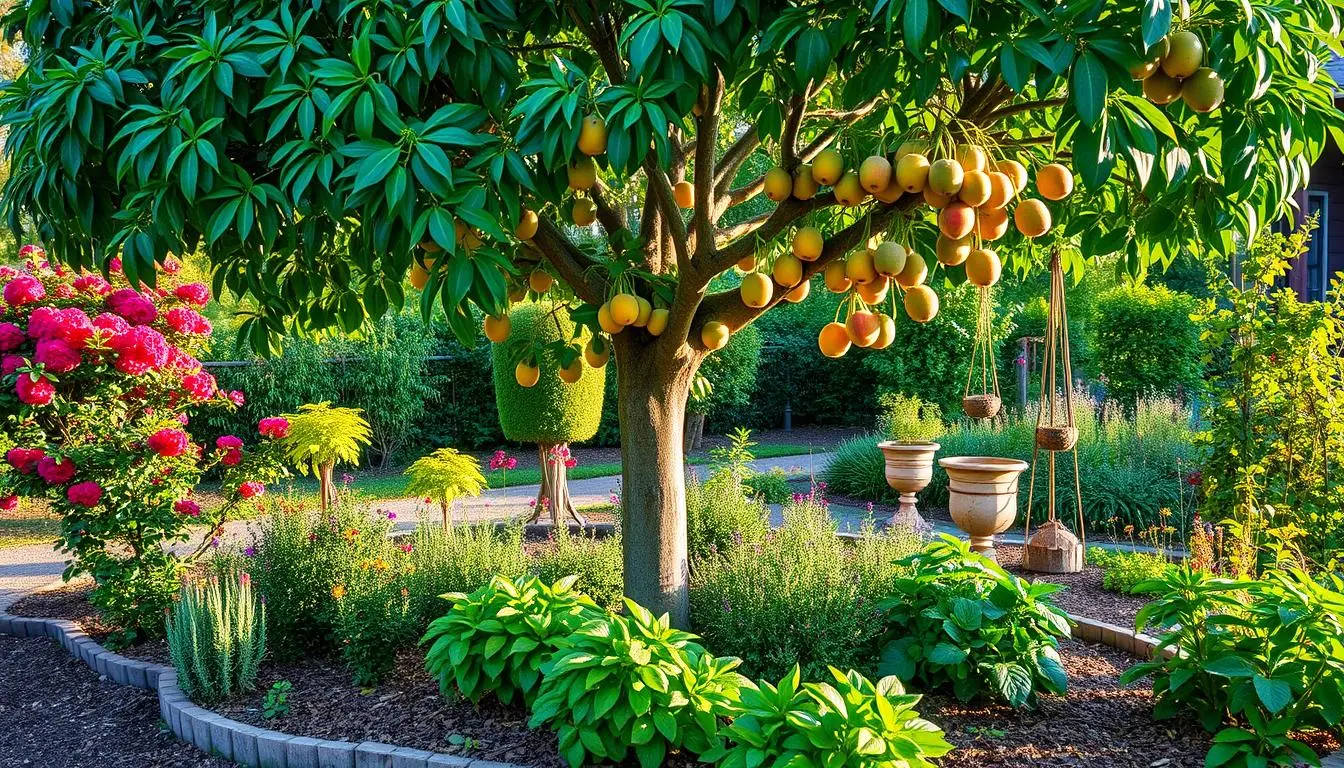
column 25, row 569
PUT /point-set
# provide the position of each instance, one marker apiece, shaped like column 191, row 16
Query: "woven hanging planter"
column 985, row 402
column 1055, row 549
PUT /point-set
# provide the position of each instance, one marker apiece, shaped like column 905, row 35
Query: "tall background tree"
column 312, row 149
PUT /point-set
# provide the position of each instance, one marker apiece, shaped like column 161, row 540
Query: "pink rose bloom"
column 10, row 364
column 55, row 472
column 188, row 321
column 250, row 490
column 39, row 392
column 169, row 442
column 274, row 427
column 32, row 251
column 139, row 350
column 114, row 265
column 193, row 293
column 9, row 503
column 57, row 356
column 11, row 337
column 74, row 327
column 44, row 323
column 7, row 272
column 171, row 266
column 94, row 284
column 85, row 494
column 24, row 459
column 111, row 323
column 24, row 289
column 181, row 361
column 232, row 458
column 132, row 306
column 187, row 507
column 200, row 386
column 228, row 442
column 237, row 397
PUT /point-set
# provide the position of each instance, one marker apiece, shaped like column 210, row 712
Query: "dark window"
column 1318, row 257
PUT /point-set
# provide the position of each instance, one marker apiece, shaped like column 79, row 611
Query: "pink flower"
column 187, row 321
column 132, row 306
column 9, row 503
column 232, row 458
column 10, row 364
column 407, row 548
column 94, row 284
column 228, row 442
column 571, row 463
column 32, row 251
column 24, row 459
column 510, row 463
column 85, row 494
column 274, row 427
column 200, row 386
column 11, row 337
column 169, row 442
column 55, row 472
column 194, row 293
column 114, row 265
column 187, row 507
column 139, row 350
column 111, row 323
column 35, row 391
column 57, row 355
column 44, row 323
column 251, row 489
column 171, row 266
column 237, row 398
column 24, row 289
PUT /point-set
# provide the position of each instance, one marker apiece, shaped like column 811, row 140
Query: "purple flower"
column 391, row 515
column 250, row 552
column 347, row 479
column 737, row 537
column 214, row 542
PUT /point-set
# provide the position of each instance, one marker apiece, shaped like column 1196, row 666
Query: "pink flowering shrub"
column 99, row 382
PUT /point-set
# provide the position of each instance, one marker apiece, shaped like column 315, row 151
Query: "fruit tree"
column 320, row 152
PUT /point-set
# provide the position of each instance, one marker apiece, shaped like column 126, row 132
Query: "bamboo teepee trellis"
column 985, row 402
column 1054, row 549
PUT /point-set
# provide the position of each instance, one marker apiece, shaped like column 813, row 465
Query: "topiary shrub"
column 551, row 412
column 1147, row 344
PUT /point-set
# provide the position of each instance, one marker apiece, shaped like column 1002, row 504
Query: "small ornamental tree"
column 98, row 384
column 552, row 396
column 323, row 153
column 443, row 476
column 319, row 438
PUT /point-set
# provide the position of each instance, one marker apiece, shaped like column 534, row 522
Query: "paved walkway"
column 25, row 569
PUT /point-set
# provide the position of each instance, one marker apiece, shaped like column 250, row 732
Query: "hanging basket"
column 1056, row 438
column 981, row 406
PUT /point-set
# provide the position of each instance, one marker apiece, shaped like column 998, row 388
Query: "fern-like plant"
column 320, row 437
column 217, row 637
column 444, row 476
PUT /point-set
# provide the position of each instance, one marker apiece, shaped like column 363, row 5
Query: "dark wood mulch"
column 71, row 601
column 1099, row 723
column 406, row 710
column 57, row 713
column 1084, row 595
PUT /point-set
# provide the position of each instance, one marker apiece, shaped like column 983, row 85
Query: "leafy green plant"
column 850, row 723
column 906, row 418
column 443, row 476
column 496, row 639
column 1254, row 659
column 719, row 515
column 802, row 596
column 597, row 562
column 321, row 436
column 1147, row 345
column 217, row 637
column 374, row 613
column 960, row 621
column 459, row 559
column 772, row 487
column 734, row 458
column 628, row 682
column 1123, row 571
column 276, row 703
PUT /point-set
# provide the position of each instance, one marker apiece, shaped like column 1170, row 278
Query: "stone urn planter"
column 909, row 468
column 982, row 497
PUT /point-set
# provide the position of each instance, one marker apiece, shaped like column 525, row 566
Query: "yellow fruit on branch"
column 848, row 190
column 936, row 200
column 1161, row 89
column 497, row 327
column 657, row 322
column 945, row 177
column 892, row 193
column 582, row 174
column 788, row 271
column 859, row 267
column 1185, row 54
column 624, row 308
column 875, row 291
column 952, row 252
column 1032, row 217
column 756, row 290
column 912, row 172
column 972, row 158
column 836, row 279
column 975, row 189
column 778, row 184
column 593, row 136
column 799, row 292
column 645, row 312
column 746, row 263
column 888, row 259
column 1001, row 190
column 684, row 194
column 804, row 186
column 983, row 267
column 833, row 340
column 862, row 327
column 597, row 351
column 526, row 374
column 1054, row 182
column 956, row 220
column 886, row 333
column 527, row 225
column 875, row 173
column 540, row 280
column 1144, row 67
column 584, row 212
column 991, row 223
column 714, row 335
column 1015, row 171
column 420, row 275
column 570, row 374
column 827, row 167
column 808, row 243
column 1203, row 91
column 916, row 270
column 606, row 321
column 921, row 303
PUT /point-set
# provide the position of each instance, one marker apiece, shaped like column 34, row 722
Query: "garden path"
column 25, row 569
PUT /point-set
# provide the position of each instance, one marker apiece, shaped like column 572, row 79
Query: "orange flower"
column 338, row 591
column 351, row 534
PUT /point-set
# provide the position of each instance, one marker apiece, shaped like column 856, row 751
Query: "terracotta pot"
column 909, row 468
column 982, row 496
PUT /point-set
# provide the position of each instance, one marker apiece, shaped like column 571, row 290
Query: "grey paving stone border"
column 255, row 747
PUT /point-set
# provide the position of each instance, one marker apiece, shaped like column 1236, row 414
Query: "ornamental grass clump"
column 217, row 637
column 595, row 561
column 461, row 559
column 721, row 512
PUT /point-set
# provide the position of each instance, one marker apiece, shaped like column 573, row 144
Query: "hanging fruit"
column 827, row 167
column 788, row 270
column 983, row 267
column 778, row 184
column 921, row 303
column 593, row 136
column 497, row 327
column 756, row 290
column 1054, row 182
column 714, row 335
column 808, row 243
column 1032, row 217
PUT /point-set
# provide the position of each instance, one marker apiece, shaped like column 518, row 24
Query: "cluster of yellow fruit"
column 1173, row 69
column 624, row 310
column 582, row 172
column 597, row 351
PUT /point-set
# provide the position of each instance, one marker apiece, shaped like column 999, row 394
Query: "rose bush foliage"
column 98, row 384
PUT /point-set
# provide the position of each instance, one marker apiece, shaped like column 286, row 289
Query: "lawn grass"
column 23, row 531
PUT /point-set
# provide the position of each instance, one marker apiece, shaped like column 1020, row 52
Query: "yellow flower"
column 351, row 534
column 338, row 591
column 1165, row 512
column 380, row 565
column 1129, row 529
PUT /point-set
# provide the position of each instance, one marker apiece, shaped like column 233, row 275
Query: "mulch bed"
column 71, row 601
column 1083, row 596
column 57, row 713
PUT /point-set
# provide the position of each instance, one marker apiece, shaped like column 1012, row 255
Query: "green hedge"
column 551, row 411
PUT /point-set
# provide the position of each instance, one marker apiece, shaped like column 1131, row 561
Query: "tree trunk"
column 554, row 493
column 326, row 488
column 653, row 392
column 695, row 431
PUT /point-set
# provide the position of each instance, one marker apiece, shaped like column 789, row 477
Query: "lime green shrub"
column 443, row 476
column 1147, row 345
column 320, row 437
column 719, row 514
column 459, row 558
column 551, row 412
column 217, row 637
column 1123, row 571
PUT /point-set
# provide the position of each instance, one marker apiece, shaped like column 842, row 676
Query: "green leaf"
column 814, row 54
column 1274, row 694
column 1156, row 21
column 1089, row 87
column 1229, row 666
column 947, row 654
column 916, row 25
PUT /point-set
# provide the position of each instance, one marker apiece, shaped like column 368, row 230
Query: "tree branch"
column 613, row 221
column 747, row 226
column 1005, row 140
column 785, row 214
column 572, row 263
column 732, row 159
column 739, row 195
column 706, row 137
column 788, row 141
column 1018, row 108
column 660, row 190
